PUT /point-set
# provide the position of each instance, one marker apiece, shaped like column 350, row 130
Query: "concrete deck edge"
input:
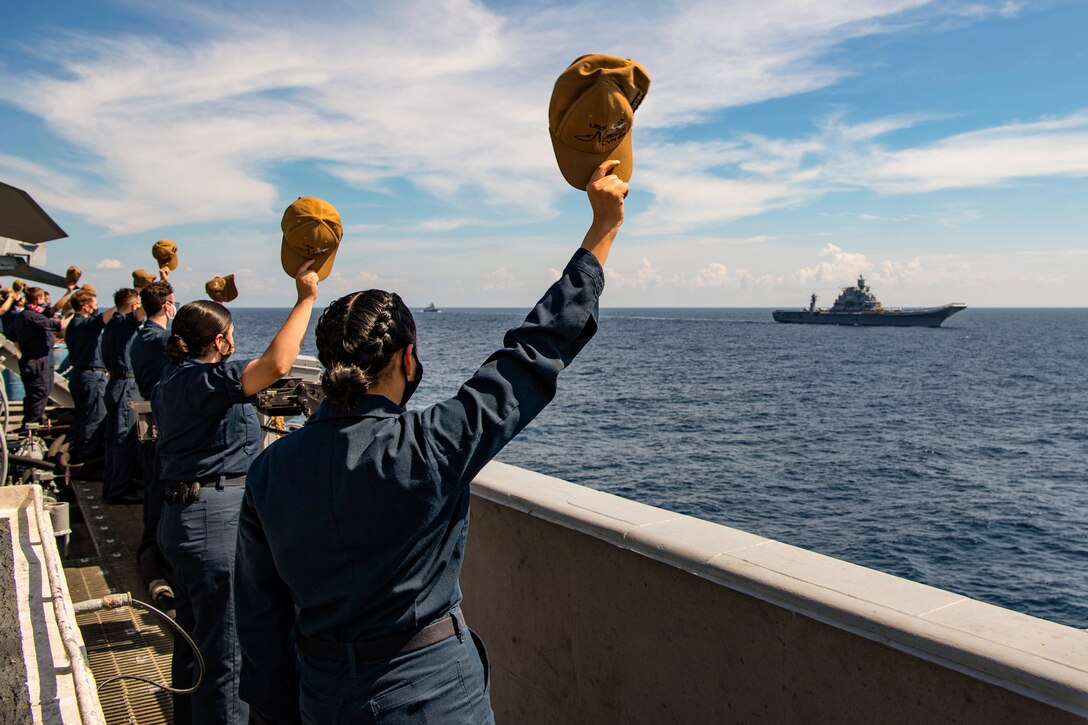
column 1039, row 659
column 55, row 679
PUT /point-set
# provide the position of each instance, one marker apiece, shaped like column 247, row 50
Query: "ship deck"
column 125, row 641
column 100, row 560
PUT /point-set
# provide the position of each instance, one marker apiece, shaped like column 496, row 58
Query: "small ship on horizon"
column 858, row 306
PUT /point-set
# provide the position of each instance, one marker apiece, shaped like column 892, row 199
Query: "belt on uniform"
column 382, row 647
column 89, row 368
column 184, row 492
column 122, row 374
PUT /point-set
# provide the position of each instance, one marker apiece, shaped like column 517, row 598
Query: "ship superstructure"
column 859, row 306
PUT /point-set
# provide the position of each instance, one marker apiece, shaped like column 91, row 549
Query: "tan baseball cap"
column 590, row 115
column 222, row 289
column 165, row 253
column 18, row 285
column 142, row 278
column 72, row 275
column 311, row 230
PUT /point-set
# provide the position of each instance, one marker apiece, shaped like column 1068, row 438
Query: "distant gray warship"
column 858, row 306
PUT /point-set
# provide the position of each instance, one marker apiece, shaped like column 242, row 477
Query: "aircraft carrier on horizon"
column 858, row 306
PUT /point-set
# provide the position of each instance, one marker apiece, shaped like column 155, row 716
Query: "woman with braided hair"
column 353, row 528
column 208, row 437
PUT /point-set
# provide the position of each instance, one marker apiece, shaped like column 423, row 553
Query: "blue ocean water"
column 956, row 457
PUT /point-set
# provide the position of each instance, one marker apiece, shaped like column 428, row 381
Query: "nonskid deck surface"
column 120, row 641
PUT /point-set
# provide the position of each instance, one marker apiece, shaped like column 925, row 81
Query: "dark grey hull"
column 931, row 317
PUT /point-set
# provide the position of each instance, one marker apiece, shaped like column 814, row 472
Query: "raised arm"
column 606, row 193
column 60, row 303
column 519, row 379
column 283, row 350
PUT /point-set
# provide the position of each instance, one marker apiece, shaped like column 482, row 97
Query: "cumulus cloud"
column 644, row 276
column 501, row 280
column 109, row 264
column 717, row 274
column 344, row 281
column 837, row 265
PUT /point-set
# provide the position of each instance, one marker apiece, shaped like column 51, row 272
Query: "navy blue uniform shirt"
column 7, row 322
column 34, row 333
column 82, row 336
column 115, row 339
column 147, row 353
column 207, row 426
column 359, row 518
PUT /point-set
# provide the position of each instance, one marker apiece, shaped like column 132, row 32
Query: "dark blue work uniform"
column 359, row 521
column 117, row 480
column 208, row 433
column 34, row 333
column 147, row 353
column 88, row 379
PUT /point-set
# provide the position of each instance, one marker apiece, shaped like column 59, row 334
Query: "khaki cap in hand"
column 165, row 253
column 311, row 230
column 590, row 115
column 142, row 278
column 221, row 289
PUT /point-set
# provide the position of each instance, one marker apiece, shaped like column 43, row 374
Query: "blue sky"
column 940, row 148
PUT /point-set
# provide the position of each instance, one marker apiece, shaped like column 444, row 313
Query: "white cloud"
column 109, row 264
column 168, row 131
column 696, row 185
column 501, row 280
column 1047, row 148
column 189, row 132
column 443, row 225
column 837, row 266
column 644, row 276
column 717, row 274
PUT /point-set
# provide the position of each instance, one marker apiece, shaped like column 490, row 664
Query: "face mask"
column 170, row 311
column 228, row 353
column 411, row 385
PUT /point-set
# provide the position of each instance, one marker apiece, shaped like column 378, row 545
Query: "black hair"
column 195, row 328
column 357, row 336
column 123, row 294
column 154, row 296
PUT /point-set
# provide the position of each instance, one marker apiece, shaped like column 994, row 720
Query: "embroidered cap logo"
column 591, row 114
column 311, row 230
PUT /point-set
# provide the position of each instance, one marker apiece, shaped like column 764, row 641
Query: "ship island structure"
column 858, row 306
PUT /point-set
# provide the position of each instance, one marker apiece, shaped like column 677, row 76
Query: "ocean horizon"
column 953, row 456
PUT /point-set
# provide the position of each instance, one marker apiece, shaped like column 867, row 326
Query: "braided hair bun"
column 357, row 337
